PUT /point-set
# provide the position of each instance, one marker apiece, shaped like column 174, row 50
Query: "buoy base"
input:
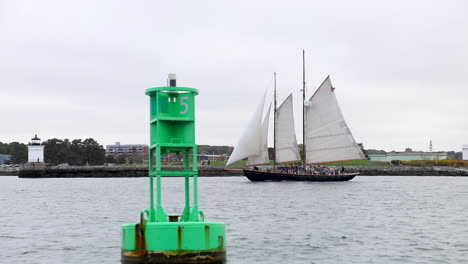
column 174, row 242
column 132, row 257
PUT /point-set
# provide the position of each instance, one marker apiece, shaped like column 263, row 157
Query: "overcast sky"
column 79, row 69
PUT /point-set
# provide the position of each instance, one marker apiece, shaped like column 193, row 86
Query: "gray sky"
column 79, row 69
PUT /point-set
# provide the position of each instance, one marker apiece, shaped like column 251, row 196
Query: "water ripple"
column 367, row 220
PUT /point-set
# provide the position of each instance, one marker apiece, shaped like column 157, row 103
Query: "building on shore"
column 4, row 159
column 206, row 157
column 465, row 152
column 127, row 149
column 35, row 151
column 407, row 155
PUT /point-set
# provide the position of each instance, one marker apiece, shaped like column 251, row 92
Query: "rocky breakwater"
column 111, row 171
column 210, row 171
column 82, row 171
column 8, row 170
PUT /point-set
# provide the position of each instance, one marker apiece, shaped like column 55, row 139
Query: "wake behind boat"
column 326, row 138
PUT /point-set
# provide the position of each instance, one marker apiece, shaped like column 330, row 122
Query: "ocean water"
column 366, row 220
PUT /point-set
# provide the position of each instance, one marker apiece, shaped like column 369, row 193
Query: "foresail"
column 262, row 158
column 249, row 143
column 285, row 133
column 328, row 137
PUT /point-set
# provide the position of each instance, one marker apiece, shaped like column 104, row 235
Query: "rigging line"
column 274, row 129
column 303, row 111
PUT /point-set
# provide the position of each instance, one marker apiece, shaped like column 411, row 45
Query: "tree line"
column 76, row 152
column 89, row 151
column 18, row 151
column 57, row 151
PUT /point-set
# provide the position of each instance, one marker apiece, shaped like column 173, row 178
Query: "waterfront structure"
column 159, row 237
column 206, row 157
column 4, row 158
column 465, row 152
column 35, row 151
column 127, row 149
column 408, row 155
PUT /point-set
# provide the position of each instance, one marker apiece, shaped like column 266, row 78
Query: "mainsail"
column 285, row 134
column 250, row 143
column 327, row 135
column 262, row 158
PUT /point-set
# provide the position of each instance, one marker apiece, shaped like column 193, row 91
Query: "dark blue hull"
column 257, row 175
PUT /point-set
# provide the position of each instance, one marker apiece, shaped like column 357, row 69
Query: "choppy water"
column 366, row 220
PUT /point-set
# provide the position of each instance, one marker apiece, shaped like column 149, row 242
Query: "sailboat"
column 326, row 139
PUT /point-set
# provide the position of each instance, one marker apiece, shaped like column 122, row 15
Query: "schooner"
column 326, row 138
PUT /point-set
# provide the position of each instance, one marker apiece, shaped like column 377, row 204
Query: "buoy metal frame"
column 159, row 238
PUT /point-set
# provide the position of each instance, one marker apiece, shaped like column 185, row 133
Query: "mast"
column 274, row 128
column 303, row 111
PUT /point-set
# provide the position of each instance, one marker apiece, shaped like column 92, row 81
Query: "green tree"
column 214, row 150
column 364, row 151
column 301, row 150
column 63, row 156
column 93, row 152
column 3, row 148
column 57, row 151
column 121, row 159
column 109, row 159
column 375, row 151
column 18, row 152
column 76, row 152
column 135, row 158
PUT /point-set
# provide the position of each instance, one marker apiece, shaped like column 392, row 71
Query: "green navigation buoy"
column 159, row 238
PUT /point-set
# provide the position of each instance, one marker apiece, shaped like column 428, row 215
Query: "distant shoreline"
column 114, row 171
column 213, row 171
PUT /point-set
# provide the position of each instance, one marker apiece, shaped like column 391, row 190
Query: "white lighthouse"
column 35, row 150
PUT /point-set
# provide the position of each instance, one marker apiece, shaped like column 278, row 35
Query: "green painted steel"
column 172, row 129
column 157, row 235
column 184, row 236
column 128, row 235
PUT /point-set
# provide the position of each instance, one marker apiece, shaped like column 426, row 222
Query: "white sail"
column 285, row 134
column 249, row 143
column 262, row 158
column 327, row 135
